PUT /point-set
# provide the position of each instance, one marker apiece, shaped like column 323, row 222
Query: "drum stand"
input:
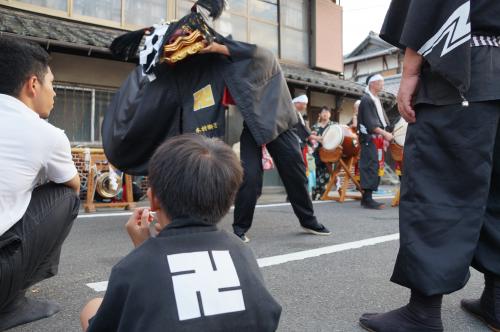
column 346, row 165
column 98, row 164
column 395, row 200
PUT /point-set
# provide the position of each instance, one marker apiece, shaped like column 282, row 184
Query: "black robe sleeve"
column 109, row 315
column 438, row 30
column 257, row 84
column 367, row 116
column 140, row 117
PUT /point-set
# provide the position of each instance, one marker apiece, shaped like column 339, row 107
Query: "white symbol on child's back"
column 215, row 280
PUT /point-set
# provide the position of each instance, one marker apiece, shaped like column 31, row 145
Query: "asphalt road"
column 318, row 293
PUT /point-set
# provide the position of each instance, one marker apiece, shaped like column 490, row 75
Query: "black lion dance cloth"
column 176, row 89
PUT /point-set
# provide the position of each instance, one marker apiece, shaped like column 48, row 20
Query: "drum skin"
column 348, row 147
column 350, row 144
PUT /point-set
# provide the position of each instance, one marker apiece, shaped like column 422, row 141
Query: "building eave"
column 327, row 83
column 369, row 56
column 48, row 30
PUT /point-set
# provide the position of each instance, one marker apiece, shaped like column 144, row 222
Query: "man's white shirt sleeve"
column 60, row 167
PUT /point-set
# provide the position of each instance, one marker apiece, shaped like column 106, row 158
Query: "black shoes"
column 399, row 320
column 25, row 310
column 369, row 203
column 318, row 229
column 474, row 307
column 243, row 238
column 372, row 204
column 421, row 314
column 487, row 308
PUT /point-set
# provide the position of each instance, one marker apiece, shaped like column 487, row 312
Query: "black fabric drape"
column 143, row 114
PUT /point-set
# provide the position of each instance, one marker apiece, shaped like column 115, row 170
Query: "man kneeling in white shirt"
column 39, row 183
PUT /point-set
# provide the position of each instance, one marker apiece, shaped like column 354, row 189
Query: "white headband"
column 374, row 78
column 300, row 99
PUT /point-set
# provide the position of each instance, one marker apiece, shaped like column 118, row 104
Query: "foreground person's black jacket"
column 192, row 277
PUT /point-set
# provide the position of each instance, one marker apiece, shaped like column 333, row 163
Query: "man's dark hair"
column 325, row 108
column 19, row 60
column 192, row 175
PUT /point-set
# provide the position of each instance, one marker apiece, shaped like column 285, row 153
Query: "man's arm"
column 215, row 47
column 409, row 83
column 387, row 135
column 110, row 310
column 74, row 183
column 60, row 166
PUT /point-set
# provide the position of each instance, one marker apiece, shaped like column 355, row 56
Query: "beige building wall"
column 89, row 71
column 326, row 43
column 345, row 114
column 319, row 99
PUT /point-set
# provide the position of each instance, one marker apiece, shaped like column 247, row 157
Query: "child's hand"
column 138, row 225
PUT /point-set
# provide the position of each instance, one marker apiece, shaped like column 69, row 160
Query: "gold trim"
column 183, row 41
column 185, row 52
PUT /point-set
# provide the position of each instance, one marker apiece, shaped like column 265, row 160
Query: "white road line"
column 259, row 206
column 102, row 215
column 99, row 286
column 296, row 256
column 300, row 255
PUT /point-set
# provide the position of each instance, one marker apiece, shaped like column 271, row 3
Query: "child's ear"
column 153, row 201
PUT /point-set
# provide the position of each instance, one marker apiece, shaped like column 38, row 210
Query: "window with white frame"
column 254, row 21
column 123, row 13
column 79, row 112
column 52, row 4
column 294, row 30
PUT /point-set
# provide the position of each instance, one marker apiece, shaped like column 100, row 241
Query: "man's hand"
column 409, row 83
column 74, row 184
column 315, row 138
column 388, row 136
column 215, row 47
column 407, row 89
column 138, row 226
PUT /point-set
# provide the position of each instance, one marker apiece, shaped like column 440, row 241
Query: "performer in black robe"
column 373, row 127
column 450, row 193
column 187, row 97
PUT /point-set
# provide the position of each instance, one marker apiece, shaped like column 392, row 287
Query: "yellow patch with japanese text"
column 203, row 98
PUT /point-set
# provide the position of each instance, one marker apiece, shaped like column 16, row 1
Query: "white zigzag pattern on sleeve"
column 456, row 29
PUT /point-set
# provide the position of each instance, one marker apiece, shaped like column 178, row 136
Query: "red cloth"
column 227, row 99
column 378, row 141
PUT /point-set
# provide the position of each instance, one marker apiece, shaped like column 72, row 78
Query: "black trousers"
column 287, row 157
column 30, row 250
column 368, row 166
column 449, row 213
